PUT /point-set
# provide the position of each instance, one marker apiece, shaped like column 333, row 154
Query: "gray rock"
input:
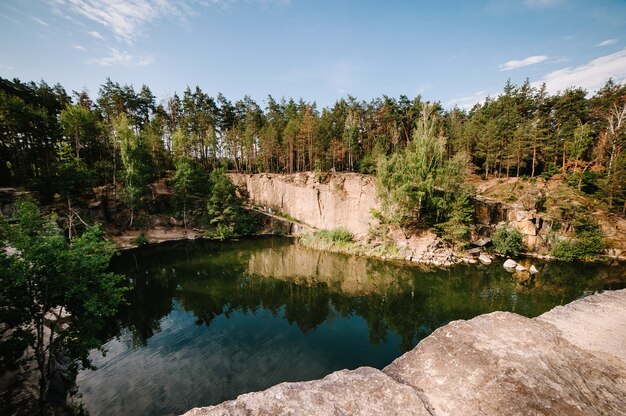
column 533, row 269
column 364, row 391
column 506, row 364
column 520, row 268
column 484, row 259
column 482, row 242
column 509, row 264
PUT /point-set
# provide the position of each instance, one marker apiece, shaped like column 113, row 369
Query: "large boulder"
column 505, row 364
column 510, row 264
column 364, row 391
column 569, row 361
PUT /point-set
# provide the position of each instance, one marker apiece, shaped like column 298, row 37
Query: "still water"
column 207, row 321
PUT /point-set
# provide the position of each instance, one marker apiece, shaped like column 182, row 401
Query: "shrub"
column 141, row 240
column 507, row 240
column 585, row 246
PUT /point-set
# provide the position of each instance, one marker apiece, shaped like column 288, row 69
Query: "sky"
column 455, row 52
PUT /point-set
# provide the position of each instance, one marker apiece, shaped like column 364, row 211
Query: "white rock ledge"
column 568, row 361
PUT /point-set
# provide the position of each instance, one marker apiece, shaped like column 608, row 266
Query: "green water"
column 208, row 321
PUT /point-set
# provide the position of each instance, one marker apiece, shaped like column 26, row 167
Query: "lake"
column 207, row 321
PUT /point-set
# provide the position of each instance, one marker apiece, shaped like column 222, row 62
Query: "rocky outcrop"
column 318, row 200
column 569, row 361
column 345, row 200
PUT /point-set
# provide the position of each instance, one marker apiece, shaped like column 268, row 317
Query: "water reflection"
column 208, row 321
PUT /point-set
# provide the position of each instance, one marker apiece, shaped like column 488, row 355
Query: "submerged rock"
column 569, row 361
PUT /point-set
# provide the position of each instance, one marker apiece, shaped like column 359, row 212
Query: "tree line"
column 49, row 138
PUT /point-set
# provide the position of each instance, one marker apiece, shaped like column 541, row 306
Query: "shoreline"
column 160, row 235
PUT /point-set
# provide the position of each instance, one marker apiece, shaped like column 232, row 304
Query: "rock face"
column 569, row 361
column 362, row 391
column 319, row 200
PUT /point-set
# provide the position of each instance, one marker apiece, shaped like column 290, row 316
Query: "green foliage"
column 336, row 235
column 587, row 184
column 419, row 184
column 183, row 182
column 141, row 240
column 459, row 212
column 337, row 239
column 550, row 170
column 507, row 240
column 72, row 173
column 225, row 210
column 406, row 180
column 139, row 169
column 587, row 244
column 40, row 272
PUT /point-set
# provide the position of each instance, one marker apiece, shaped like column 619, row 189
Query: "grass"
column 340, row 240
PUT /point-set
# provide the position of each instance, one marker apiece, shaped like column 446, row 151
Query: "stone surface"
column 533, row 269
column 569, row 361
column 509, row 264
column 520, row 268
column 482, row 242
column 484, row 259
column 318, row 200
column 364, row 391
column 596, row 323
column 505, row 364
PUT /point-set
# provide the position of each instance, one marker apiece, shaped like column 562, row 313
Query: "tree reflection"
column 309, row 288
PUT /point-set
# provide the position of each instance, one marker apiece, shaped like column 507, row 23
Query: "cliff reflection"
column 208, row 321
column 310, row 287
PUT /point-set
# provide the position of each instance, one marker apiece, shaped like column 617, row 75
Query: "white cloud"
column 542, row 4
column 121, row 58
column 38, row 20
column 80, row 48
column 607, row 42
column 468, row 101
column 531, row 60
column 96, row 35
column 10, row 19
column 125, row 18
column 591, row 76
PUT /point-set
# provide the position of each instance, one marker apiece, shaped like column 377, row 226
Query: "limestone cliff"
column 319, row 200
column 569, row 361
column 333, row 200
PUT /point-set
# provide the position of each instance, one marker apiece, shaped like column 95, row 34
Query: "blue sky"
column 456, row 52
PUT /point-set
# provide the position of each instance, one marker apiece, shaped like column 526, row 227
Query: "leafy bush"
column 585, row 246
column 507, row 240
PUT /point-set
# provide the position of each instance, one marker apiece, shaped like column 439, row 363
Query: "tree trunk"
column 532, row 175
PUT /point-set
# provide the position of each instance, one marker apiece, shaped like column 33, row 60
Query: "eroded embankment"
column 568, row 361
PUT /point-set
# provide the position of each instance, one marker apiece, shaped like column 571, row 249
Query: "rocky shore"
column 568, row 361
